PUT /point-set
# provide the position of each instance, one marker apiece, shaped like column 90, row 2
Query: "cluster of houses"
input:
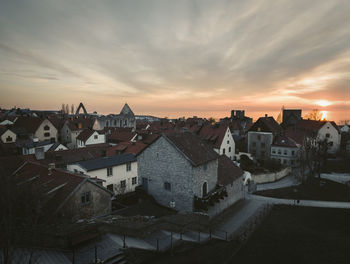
column 81, row 161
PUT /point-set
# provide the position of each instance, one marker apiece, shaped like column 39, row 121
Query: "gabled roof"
column 55, row 146
column 80, row 123
column 313, row 125
column 106, row 162
column 85, row 134
column 214, row 134
column 192, row 147
column 28, row 123
column 284, row 141
column 266, row 124
column 228, row 172
column 127, row 147
column 121, row 137
column 126, row 110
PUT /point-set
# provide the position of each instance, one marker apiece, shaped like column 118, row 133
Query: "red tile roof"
column 117, row 137
column 284, row 141
column 127, row 147
column 85, row 134
column 213, row 134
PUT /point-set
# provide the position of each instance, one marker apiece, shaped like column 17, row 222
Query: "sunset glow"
column 176, row 58
column 323, row 103
column 324, row 115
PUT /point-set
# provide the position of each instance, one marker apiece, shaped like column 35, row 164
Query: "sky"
column 177, row 58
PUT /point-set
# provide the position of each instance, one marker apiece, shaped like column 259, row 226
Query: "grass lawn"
column 300, row 235
column 329, row 191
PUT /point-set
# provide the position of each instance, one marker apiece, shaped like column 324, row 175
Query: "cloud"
column 208, row 54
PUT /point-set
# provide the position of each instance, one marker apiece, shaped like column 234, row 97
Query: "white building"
column 119, row 172
column 90, row 137
column 285, row 150
column 34, row 146
column 220, row 137
column 7, row 136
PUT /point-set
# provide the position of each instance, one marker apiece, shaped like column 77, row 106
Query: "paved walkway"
column 311, row 203
column 337, row 177
column 284, row 182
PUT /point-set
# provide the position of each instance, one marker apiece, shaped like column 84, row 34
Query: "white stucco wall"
column 286, row 155
column 92, row 140
column 228, row 144
column 7, row 134
column 333, row 136
column 119, row 174
column 40, row 133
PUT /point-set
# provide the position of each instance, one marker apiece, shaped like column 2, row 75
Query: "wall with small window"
column 8, row 137
column 228, row 145
column 46, row 131
column 333, row 136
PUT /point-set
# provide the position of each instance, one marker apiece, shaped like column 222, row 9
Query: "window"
column 285, row 152
column 293, row 152
column 123, row 184
column 115, row 122
column 223, row 151
column 328, row 135
column 279, row 151
column 109, row 171
column 254, row 144
column 167, row 186
column 330, row 143
column 259, row 137
column 128, row 166
column 273, row 151
column 86, row 197
column 134, row 180
column 47, row 134
column 263, row 145
column 46, row 127
column 95, row 136
column 9, row 139
column 205, row 167
column 229, row 149
column 228, row 142
column 204, row 189
column 110, row 187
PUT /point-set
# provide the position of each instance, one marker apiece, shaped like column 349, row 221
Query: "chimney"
column 50, row 168
column 39, row 153
column 266, row 115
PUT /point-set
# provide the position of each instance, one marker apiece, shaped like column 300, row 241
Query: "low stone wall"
column 271, row 177
column 234, row 193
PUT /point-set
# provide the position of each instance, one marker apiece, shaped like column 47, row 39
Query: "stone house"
column 118, row 172
column 64, row 193
column 261, row 136
column 179, row 170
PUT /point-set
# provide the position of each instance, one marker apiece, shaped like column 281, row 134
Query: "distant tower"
column 78, row 109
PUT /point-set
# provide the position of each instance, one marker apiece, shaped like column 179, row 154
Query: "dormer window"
column 9, row 139
column 46, row 127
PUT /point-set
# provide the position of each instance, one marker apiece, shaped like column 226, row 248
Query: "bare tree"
column 72, row 109
column 67, row 109
column 211, row 120
column 313, row 157
column 315, row 114
column 63, row 108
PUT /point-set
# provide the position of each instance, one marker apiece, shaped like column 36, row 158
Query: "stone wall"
column 271, row 177
column 234, row 194
column 161, row 163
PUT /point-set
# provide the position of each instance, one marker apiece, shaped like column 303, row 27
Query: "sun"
column 324, row 115
column 323, row 103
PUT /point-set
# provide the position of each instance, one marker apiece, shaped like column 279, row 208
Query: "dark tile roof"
column 127, row 147
column 266, row 124
column 228, row 172
column 214, row 134
column 28, row 124
column 54, row 146
column 313, row 125
column 85, row 134
column 284, row 141
column 32, row 144
column 80, row 123
column 117, row 137
column 192, row 147
column 105, row 162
